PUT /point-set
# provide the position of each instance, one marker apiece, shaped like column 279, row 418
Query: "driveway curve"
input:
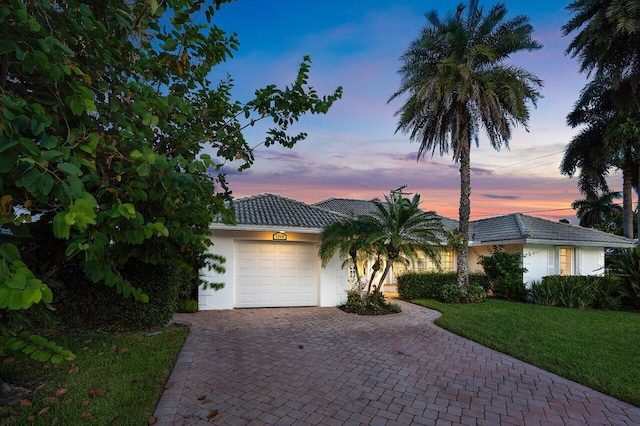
column 321, row 366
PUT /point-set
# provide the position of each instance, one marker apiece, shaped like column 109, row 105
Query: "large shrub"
column 600, row 292
column 505, row 273
column 626, row 266
column 82, row 303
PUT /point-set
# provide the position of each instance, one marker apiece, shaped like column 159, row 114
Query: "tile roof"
column 361, row 207
column 347, row 206
column 520, row 227
column 275, row 210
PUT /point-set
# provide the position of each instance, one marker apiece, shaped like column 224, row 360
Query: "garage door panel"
column 287, row 248
column 288, row 281
column 246, row 248
column 270, row 274
column 267, row 298
column 305, row 265
column 287, row 264
column 287, row 298
column 246, row 280
column 246, row 298
column 246, row 264
column 267, row 249
column 266, row 281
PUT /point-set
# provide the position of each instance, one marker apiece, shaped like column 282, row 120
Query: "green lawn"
column 116, row 378
column 600, row 349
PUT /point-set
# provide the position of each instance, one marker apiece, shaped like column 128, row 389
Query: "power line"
column 541, row 211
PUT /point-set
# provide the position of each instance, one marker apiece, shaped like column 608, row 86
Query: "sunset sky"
column 353, row 151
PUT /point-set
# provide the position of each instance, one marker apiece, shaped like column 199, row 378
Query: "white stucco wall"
column 541, row 260
column 332, row 280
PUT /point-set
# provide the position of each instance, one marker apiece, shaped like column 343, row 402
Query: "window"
column 352, row 272
column 565, row 261
column 446, row 260
column 420, row 264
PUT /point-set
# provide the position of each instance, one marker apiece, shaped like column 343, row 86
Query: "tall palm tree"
column 596, row 209
column 399, row 228
column 607, row 45
column 458, row 82
column 607, row 36
column 603, row 109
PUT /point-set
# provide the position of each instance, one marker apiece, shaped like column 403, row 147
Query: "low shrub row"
column 442, row 286
column 598, row 292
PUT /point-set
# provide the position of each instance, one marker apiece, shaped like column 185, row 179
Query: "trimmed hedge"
column 575, row 291
column 420, row 285
column 83, row 304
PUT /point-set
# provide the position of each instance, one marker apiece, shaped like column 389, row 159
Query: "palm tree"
column 595, row 209
column 457, row 81
column 607, row 38
column 349, row 238
column 399, row 228
column 607, row 44
column 603, row 109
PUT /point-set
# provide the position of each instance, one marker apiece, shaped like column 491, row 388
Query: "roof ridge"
column 522, row 227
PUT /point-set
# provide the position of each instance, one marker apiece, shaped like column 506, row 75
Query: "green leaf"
column 9, row 252
column 143, row 169
column 42, row 60
column 46, row 183
column 47, row 295
column 8, row 144
column 15, row 299
column 31, row 180
column 5, row 294
column 61, row 228
column 69, row 169
column 77, row 107
column 8, row 161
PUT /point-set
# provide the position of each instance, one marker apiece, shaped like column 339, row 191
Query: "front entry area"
column 275, row 274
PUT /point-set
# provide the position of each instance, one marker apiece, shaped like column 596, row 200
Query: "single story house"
column 272, row 251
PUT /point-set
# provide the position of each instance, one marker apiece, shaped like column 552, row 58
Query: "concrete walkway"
column 321, row 366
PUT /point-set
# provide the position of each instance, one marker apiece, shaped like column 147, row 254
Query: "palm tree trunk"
column 387, row 268
column 464, row 212
column 627, row 201
column 374, row 270
column 354, row 259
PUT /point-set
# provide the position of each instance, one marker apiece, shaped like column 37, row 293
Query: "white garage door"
column 275, row 274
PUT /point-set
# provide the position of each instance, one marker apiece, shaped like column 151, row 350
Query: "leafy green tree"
column 457, row 81
column 594, row 210
column 113, row 138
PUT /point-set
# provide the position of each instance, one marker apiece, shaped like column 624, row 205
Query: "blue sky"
column 353, row 151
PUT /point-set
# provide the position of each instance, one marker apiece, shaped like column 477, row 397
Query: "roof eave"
column 496, row 242
column 270, row 228
column 620, row 244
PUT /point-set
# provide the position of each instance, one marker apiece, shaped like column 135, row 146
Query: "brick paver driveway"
column 321, row 366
